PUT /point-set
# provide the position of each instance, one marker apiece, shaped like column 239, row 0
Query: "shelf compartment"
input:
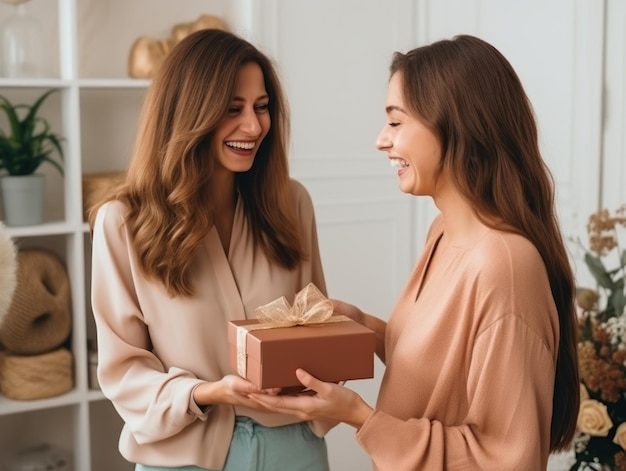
column 43, row 11
column 109, row 121
column 50, row 424
column 52, row 111
column 109, row 29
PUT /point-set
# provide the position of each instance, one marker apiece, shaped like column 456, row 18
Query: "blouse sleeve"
column 155, row 404
column 509, row 389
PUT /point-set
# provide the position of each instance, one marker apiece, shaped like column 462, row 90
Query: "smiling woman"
column 206, row 227
column 492, row 291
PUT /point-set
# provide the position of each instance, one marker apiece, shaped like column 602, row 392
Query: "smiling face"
column 240, row 132
column 410, row 144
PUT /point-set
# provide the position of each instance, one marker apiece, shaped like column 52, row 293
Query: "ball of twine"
column 36, row 376
column 39, row 318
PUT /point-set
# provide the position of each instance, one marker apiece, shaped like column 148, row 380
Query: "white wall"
column 613, row 187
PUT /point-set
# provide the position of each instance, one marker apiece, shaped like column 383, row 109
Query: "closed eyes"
column 235, row 110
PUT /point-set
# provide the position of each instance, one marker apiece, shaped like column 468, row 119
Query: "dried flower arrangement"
column 600, row 442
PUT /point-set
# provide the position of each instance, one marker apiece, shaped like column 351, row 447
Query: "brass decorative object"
column 147, row 53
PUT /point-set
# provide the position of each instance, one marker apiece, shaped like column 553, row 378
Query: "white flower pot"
column 22, row 199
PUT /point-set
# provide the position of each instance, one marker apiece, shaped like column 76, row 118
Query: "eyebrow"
column 391, row 108
column 262, row 97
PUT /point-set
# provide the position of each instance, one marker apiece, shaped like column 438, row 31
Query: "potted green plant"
column 24, row 146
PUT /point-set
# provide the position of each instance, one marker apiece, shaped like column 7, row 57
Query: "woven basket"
column 96, row 185
column 32, row 377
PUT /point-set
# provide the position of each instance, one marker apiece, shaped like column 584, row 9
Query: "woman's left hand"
column 330, row 402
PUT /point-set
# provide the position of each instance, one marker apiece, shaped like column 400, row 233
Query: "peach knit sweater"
column 471, row 361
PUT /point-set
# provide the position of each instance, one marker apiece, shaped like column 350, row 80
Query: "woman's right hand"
column 232, row 390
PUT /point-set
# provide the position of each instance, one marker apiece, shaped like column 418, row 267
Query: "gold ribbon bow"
column 310, row 306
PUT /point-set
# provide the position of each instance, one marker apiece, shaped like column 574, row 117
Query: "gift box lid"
column 277, row 338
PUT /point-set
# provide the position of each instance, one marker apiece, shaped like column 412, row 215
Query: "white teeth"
column 241, row 145
column 398, row 163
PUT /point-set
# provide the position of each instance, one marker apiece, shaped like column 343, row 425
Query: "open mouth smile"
column 240, row 145
column 398, row 163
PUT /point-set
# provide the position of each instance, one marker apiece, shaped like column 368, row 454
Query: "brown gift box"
column 331, row 352
column 269, row 349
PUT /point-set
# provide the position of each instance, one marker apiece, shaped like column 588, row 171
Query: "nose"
column 383, row 141
column 250, row 123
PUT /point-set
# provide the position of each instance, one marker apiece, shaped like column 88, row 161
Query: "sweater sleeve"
column 154, row 403
column 509, row 389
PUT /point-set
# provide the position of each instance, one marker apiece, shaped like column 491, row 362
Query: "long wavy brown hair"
column 471, row 97
column 166, row 187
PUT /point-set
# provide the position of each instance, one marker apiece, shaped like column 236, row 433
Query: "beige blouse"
column 154, row 350
column 471, row 359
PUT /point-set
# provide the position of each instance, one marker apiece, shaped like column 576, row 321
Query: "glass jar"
column 22, row 44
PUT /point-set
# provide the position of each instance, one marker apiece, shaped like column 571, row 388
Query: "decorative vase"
column 22, row 44
column 22, row 199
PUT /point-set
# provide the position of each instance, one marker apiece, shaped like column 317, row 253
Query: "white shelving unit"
column 96, row 111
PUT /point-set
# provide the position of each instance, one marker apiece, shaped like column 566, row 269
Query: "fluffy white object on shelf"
column 8, row 268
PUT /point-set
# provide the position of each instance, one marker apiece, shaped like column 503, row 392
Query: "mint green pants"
column 255, row 447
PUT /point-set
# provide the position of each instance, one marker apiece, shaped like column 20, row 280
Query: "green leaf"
column 30, row 117
column 599, row 272
column 617, row 299
column 29, row 141
column 10, row 111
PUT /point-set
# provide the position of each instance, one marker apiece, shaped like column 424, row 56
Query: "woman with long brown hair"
column 480, row 349
column 206, row 227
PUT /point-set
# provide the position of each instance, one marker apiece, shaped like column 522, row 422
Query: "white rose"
column 620, row 436
column 594, row 419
